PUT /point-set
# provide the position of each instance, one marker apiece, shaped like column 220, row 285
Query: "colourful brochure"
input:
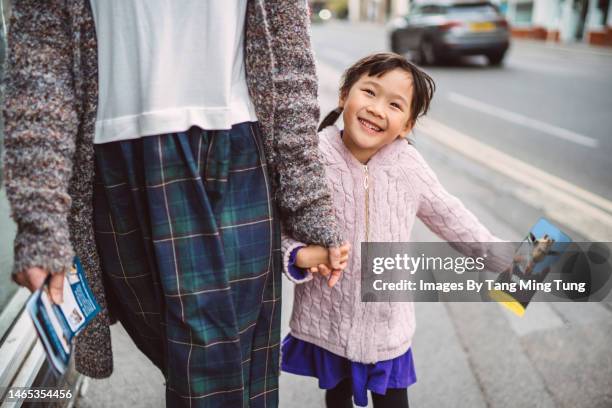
column 57, row 325
column 540, row 249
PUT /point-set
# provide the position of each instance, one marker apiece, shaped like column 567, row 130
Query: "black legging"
column 341, row 396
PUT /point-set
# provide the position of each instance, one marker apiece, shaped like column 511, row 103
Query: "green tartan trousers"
column 189, row 244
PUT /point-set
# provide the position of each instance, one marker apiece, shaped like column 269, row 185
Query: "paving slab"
column 507, row 376
column 538, row 317
column 575, row 362
column 135, row 381
column 444, row 372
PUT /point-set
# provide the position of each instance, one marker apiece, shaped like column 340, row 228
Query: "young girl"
column 380, row 185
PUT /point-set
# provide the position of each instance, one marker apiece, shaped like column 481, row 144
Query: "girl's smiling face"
column 376, row 112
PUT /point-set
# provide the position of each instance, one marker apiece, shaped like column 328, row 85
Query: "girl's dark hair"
column 378, row 65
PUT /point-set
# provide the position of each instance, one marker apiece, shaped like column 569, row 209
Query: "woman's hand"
column 328, row 262
column 34, row 278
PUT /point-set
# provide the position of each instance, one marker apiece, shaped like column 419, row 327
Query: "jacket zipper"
column 366, row 185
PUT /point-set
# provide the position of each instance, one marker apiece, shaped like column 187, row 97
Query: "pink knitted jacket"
column 400, row 187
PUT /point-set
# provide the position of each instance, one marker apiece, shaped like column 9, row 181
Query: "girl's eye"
column 396, row 105
column 369, row 92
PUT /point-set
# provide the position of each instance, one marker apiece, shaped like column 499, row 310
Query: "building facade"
column 588, row 21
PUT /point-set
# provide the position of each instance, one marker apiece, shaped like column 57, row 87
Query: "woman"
column 170, row 265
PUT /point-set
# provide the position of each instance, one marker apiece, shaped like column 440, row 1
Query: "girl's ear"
column 407, row 129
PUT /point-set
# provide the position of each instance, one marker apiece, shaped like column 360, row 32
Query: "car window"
column 474, row 8
column 414, row 11
column 431, row 10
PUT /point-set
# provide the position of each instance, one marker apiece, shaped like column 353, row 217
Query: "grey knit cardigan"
column 50, row 111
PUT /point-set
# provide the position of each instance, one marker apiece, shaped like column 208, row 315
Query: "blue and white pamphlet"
column 57, row 325
column 535, row 256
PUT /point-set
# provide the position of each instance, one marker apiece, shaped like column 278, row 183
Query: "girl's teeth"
column 369, row 125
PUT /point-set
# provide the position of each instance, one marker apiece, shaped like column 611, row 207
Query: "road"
column 549, row 106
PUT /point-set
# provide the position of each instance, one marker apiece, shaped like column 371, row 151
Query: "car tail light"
column 502, row 23
column 450, row 24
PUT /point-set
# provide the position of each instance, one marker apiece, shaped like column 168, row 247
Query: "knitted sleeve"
column 40, row 130
column 303, row 197
column 288, row 247
column 446, row 216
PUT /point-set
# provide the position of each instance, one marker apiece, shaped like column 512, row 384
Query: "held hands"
column 33, row 278
column 328, row 262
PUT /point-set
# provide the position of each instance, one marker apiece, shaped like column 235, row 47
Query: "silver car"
column 436, row 31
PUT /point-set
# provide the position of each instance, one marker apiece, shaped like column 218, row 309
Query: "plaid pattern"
column 190, row 250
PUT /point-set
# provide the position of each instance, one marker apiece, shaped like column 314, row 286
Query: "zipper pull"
column 365, row 181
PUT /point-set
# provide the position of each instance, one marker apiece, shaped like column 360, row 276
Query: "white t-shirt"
column 167, row 65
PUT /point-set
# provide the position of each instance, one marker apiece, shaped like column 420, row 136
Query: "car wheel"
column 496, row 58
column 427, row 53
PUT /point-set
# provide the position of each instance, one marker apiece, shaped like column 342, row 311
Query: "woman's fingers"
column 334, row 257
column 334, row 278
column 324, row 270
column 56, row 287
column 345, row 248
column 32, row 278
column 338, row 255
column 338, row 260
column 19, row 279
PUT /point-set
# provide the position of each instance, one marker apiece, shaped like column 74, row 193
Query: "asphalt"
column 526, row 107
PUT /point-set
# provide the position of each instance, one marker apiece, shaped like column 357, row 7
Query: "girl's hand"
column 332, row 275
column 315, row 255
column 311, row 255
column 318, row 259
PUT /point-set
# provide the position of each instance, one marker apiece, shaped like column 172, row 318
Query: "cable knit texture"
column 50, row 111
column 401, row 187
column 287, row 247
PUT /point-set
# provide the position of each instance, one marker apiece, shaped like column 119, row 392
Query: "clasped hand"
column 328, row 262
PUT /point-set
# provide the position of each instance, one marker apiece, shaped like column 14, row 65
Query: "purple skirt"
column 304, row 358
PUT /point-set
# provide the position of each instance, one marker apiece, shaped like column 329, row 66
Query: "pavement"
column 466, row 354
column 577, row 47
